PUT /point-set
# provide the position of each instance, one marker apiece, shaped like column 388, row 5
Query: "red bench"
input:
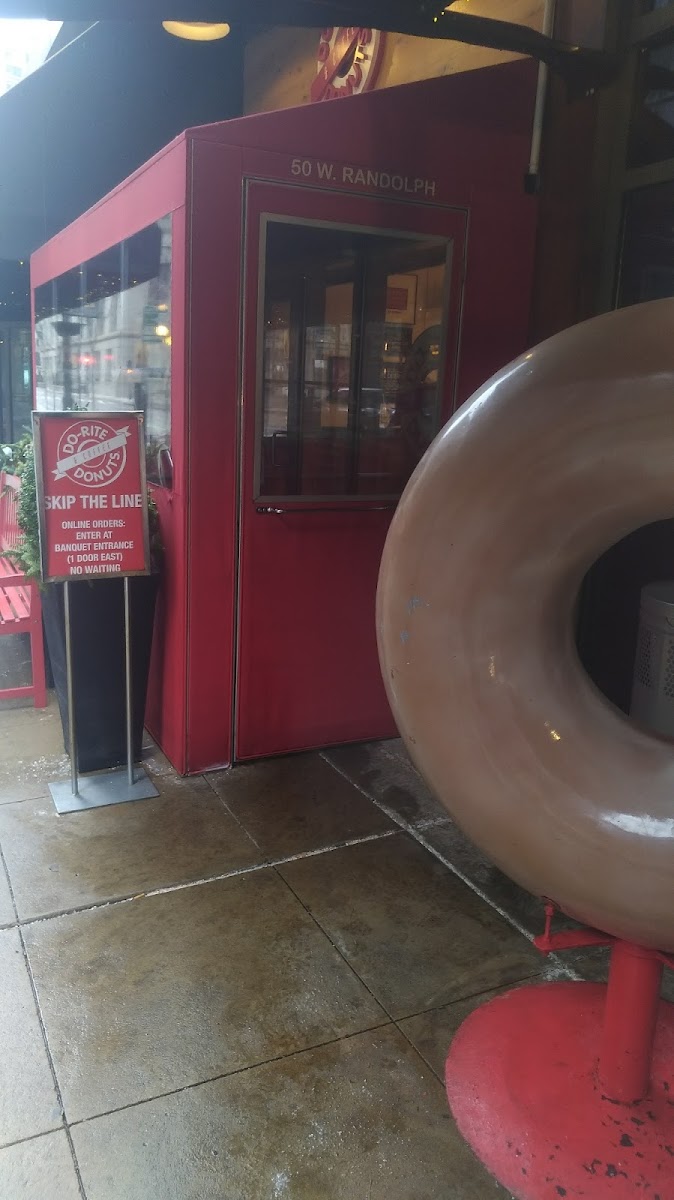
column 20, row 608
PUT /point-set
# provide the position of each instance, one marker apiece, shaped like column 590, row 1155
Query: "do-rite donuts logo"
column 91, row 454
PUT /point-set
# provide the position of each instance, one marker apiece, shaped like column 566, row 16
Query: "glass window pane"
column 103, row 337
column 647, row 267
column 16, row 393
column 398, row 414
column 15, row 349
column 652, row 131
column 327, row 390
column 351, row 359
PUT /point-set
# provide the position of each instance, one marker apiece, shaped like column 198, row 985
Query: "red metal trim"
column 37, row 650
column 214, row 282
column 567, row 939
column 571, row 939
column 166, row 708
column 630, row 1017
column 632, row 1002
column 30, row 619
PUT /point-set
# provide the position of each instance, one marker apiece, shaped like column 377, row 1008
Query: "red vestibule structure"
column 297, row 300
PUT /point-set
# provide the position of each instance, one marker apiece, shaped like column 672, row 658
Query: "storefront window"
column 647, row 265
column 351, row 354
column 103, row 337
column 16, row 400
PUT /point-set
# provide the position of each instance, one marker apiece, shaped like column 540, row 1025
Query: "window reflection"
column 103, row 337
column 351, row 359
column 652, row 131
column 16, row 397
column 647, row 266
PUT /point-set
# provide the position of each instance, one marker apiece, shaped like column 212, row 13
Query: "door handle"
column 279, row 433
column 324, row 508
column 165, row 467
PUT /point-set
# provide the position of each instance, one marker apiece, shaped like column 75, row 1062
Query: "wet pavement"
column 243, row 989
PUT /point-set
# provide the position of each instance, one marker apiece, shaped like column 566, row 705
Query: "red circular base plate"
column 522, row 1084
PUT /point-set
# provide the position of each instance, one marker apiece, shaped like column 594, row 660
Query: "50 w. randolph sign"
column 91, row 494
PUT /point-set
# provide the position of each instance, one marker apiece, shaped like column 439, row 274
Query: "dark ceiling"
column 107, row 100
column 94, row 112
column 310, row 12
column 421, row 18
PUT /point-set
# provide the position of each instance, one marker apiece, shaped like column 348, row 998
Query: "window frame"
column 645, row 31
column 126, row 284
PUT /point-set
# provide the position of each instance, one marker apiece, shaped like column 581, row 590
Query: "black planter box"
column 97, row 619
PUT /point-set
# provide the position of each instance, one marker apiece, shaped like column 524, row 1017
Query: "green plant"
column 10, row 454
column 27, row 554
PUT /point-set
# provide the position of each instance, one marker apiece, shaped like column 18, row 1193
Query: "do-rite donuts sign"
column 91, row 494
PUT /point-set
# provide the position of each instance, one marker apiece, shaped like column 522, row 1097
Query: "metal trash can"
column 653, row 680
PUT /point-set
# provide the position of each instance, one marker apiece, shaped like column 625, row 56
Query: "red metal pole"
column 630, row 1017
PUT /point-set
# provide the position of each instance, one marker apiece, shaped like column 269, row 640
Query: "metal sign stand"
column 120, row 784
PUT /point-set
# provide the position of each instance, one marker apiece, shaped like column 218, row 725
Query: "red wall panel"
column 213, row 336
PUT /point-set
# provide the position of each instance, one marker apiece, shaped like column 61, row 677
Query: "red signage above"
column 349, row 59
column 91, row 495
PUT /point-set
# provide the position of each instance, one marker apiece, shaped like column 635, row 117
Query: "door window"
column 351, row 355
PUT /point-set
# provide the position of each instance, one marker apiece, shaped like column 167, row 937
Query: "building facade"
column 309, row 383
column 24, row 46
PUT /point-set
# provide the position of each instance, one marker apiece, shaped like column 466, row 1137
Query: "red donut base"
column 523, row 1083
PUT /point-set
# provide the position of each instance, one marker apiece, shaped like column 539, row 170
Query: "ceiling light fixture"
column 197, row 31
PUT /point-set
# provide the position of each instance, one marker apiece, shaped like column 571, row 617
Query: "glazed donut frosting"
column 561, row 454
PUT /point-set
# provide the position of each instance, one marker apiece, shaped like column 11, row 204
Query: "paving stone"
column 7, row 916
column 154, row 994
column 414, row 933
column 361, row 1119
column 432, row 1032
column 384, row 771
column 31, row 752
column 28, row 1101
column 57, row 863
column 296, row 804
column 41, row 1169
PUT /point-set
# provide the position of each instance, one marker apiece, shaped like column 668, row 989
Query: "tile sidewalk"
column 243, row 989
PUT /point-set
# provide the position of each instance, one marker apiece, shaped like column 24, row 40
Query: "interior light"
column 161, row 331
column 196, row 31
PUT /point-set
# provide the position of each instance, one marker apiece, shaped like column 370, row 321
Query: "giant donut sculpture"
column 557, row 457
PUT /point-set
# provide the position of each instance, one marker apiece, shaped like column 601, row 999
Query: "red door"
column 351, row 320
